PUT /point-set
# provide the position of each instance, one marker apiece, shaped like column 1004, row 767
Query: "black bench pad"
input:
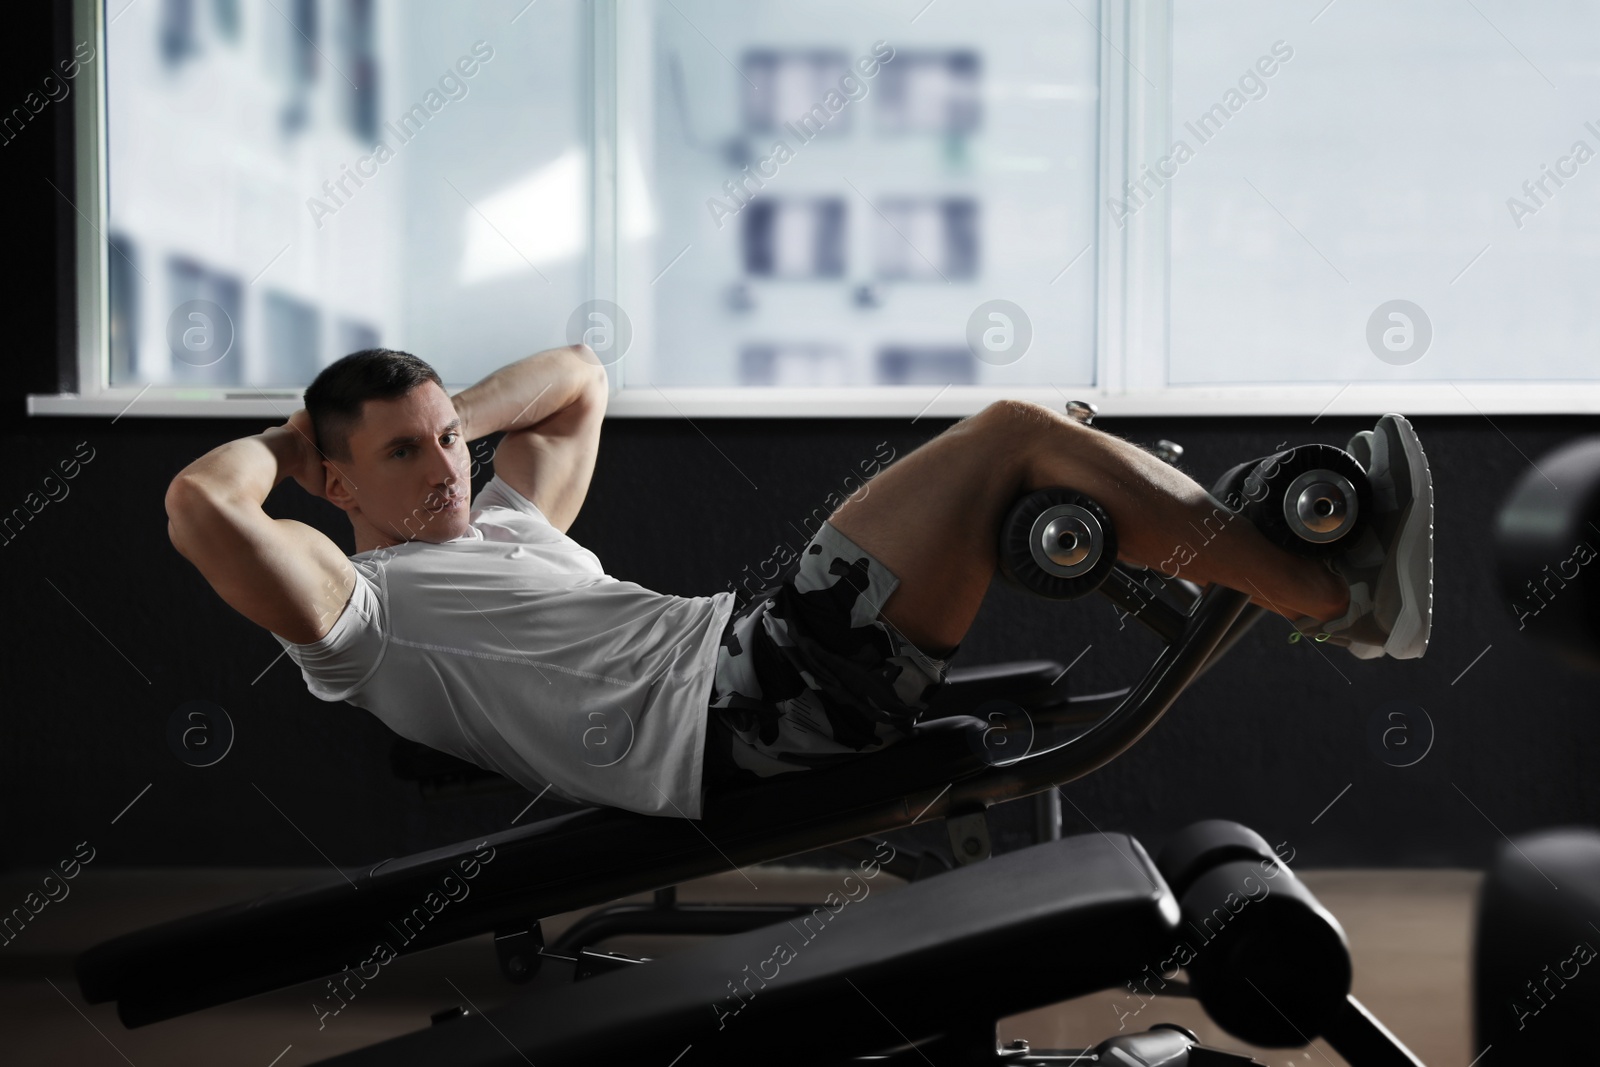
column 571, row 861
column 875, row 968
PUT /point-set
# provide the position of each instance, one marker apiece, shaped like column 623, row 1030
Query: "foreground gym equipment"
column 921, row 973
column 1535, row 989
column 1547, row 535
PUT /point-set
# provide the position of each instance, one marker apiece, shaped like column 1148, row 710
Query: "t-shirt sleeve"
column 499, row 494
column 501, row 513
column 339, row 663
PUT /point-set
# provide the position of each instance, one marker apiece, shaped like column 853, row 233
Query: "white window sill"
column 1329, row 399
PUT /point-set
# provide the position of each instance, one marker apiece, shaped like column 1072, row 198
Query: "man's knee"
column 1015, row 419
column 1003, row 439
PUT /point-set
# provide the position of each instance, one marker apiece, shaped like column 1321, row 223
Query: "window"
column 1343, row 166
column 226, row 15
column 932, row 92
column 782, row 87
column 794, row 365
column 355, row 336
column 203, row 329
column 292, row 339
column 947, row 227
column 1219, row 206
column 358, row 39
column 295, row 59
column 927, row 365
column 794, row 238
column 178, row 37
column 317, row 175
column 841, row 217
column 123, row 264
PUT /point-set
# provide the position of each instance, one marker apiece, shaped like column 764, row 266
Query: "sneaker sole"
column 1413, row 546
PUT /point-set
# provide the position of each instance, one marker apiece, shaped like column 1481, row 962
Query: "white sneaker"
column 1390, row 568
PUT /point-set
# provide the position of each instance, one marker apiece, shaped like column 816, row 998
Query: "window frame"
column 1132, row 264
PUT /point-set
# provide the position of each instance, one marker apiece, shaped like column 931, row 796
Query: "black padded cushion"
column 878, row 966
column 582, row 859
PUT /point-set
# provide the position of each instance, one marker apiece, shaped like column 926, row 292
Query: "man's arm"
column 550, row 406
column 278, row 573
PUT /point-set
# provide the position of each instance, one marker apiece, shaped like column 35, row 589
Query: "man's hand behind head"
column 309, row 472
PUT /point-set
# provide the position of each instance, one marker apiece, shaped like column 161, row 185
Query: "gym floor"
column 1410, row 932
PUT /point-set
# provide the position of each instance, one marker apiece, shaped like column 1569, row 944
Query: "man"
column 484, row 631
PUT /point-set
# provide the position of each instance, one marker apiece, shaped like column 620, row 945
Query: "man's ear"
column 336, row 489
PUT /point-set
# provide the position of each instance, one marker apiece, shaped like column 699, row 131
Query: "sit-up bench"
column 997, row 735
column 951, row 768
column 923, row 974
column 871, row 970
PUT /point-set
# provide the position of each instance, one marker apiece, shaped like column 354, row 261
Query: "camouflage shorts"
column 808, row 675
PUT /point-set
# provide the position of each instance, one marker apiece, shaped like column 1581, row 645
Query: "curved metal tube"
column 1138, row 711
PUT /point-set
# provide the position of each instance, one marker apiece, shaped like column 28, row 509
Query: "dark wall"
column 108, row 630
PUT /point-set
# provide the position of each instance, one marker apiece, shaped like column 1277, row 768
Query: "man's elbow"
column 183, row 497
column 598, row 384
column 172, row 535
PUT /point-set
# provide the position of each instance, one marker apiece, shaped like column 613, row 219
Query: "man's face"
column 409, row 471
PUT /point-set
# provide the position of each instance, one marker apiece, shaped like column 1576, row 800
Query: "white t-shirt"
column 511, row 648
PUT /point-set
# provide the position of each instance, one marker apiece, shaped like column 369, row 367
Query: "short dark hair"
column 335, row 397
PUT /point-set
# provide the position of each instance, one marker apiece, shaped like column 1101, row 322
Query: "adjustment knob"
column 1081, row 411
